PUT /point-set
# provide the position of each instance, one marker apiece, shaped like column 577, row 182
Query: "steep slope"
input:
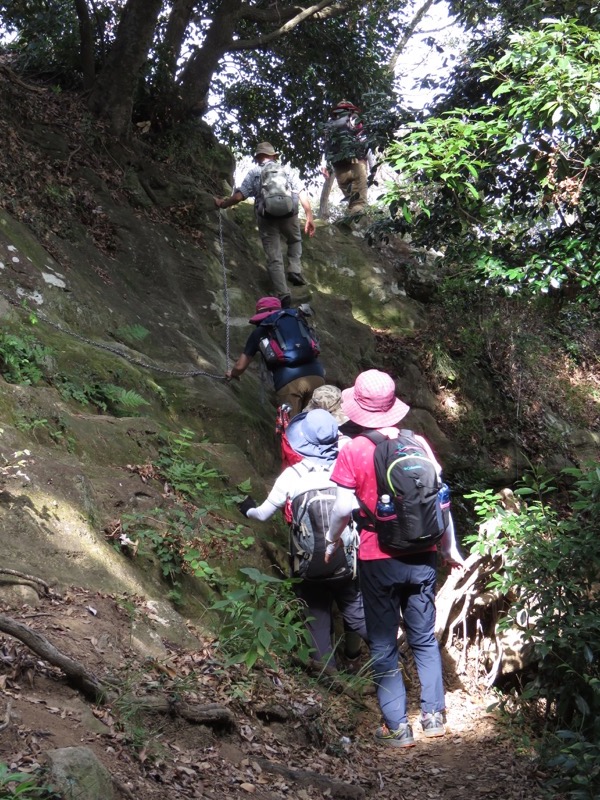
column 117, row 278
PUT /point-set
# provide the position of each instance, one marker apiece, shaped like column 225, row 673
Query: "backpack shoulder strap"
column 376, row 438
column 373, row 436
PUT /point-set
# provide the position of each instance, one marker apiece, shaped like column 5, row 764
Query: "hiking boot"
column 286, row 300
column 403, row 737
column 296, row 279
column 433, row 724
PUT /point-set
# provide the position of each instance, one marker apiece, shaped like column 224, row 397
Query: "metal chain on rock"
column 192, row 373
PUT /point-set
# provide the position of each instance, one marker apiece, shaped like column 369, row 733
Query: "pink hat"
column 372, row 401
column 264, row 307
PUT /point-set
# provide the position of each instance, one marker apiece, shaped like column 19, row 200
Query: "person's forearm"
column 263, row 511
column 305, row 203
column 340, row 514
column 448, row 545
column 240, row 366
column 337, row 525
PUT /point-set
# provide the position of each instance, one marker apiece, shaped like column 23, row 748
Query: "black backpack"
column 311, row 513
column 344, row 139
column 407, row 474
column 288, row 339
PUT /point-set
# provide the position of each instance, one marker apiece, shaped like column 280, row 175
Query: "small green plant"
column 133, row 333
column 22, row 359
column 56, row 429
column 23, row 786
column 130, row 719
column 261, row 621
column 107, row 397
column 182, row 540
column 190, row 478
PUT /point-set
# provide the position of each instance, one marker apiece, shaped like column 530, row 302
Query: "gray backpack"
column 311, row 513
column 275, row 199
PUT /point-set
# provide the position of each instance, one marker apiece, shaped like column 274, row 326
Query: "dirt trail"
column 288, row 732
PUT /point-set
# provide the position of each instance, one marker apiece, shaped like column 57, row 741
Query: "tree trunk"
column 86, row 44
column 179, row 19
column 324, row 200
column 198, row 72
column 114, row 90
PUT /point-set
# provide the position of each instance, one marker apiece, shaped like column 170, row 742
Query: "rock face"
column 133, row 280
column 76, row 772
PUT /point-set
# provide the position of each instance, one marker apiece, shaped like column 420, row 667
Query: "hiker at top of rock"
column 277, row 191
column 289, row 349
column 347, row 153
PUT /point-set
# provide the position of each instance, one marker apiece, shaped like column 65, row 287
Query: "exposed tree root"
column 329, row 786
column 92, row 688
column 77, row 676
column 38, row 584
column 12, row 76
column 210, row 714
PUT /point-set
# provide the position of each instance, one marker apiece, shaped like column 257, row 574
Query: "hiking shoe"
column 433, row 724
column 403, row 737
column 296, row 279
column 286, row 300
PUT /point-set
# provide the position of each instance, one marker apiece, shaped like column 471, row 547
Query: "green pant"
column 298, row 392
column 351, row 177
column 271, row 232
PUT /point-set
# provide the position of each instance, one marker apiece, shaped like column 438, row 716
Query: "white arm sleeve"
column 340, row 514
column 263, row 512
column 449, row 548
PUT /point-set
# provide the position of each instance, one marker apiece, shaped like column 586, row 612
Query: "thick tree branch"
column 286, row 13
column 322, row 10
column 412, row 26
column 86, row 41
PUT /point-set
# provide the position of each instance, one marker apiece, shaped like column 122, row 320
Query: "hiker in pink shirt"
column 395, row 585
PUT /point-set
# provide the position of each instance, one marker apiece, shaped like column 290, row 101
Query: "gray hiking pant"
column 271, row 231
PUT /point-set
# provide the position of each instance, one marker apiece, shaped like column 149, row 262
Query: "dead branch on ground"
column 29, row 580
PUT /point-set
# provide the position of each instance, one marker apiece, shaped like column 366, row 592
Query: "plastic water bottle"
column 385, row 507
column 444, row 496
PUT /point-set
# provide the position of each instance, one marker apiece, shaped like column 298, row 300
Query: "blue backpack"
column 288, row 340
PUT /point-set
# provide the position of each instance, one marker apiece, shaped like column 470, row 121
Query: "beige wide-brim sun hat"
column 265, row 149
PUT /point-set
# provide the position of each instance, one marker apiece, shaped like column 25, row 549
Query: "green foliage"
column 132, row 333
column 22, row 785
column 182, row 539
column 188, row 477
column 549, row 565
column 262, row 621
column 55, row 428
column 510, row 187
column 107, row 397
column 22, row 358
column 47, row 40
